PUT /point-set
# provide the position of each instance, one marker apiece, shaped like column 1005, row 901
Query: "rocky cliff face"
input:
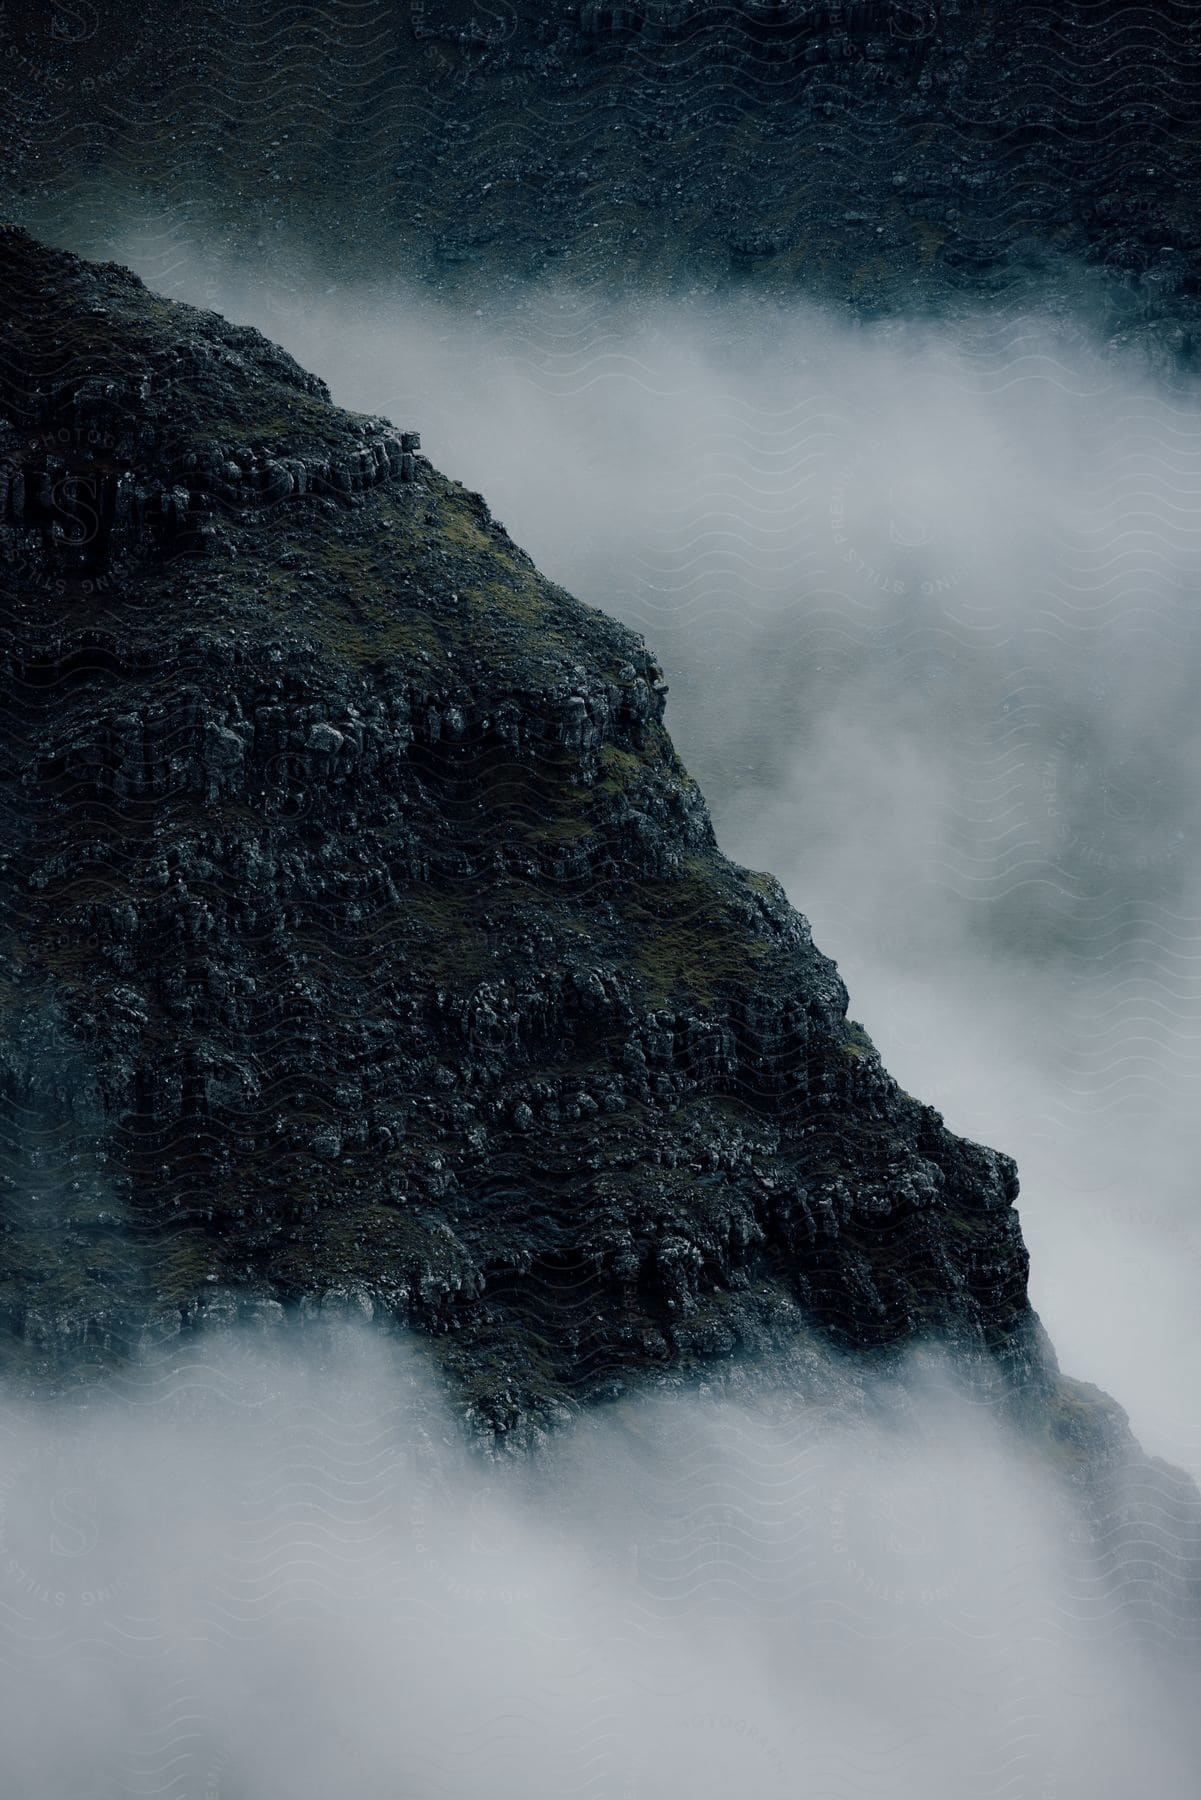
column 366, row 944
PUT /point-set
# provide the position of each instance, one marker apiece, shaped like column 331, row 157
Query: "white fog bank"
column 264, row 1568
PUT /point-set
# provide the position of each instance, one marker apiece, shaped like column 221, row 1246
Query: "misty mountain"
column 477, row 1313
column 369, row 942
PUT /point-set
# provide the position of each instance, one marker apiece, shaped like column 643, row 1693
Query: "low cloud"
column 267, row 1565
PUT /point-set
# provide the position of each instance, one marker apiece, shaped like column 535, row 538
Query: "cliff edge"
column 366, row 944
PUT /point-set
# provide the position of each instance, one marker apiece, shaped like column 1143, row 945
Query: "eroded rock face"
column 366, row 943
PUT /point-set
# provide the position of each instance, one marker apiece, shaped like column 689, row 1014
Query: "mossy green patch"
column 689, row 944
column 620, row 770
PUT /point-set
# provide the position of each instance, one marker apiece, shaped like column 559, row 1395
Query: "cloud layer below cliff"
column 265, row 1568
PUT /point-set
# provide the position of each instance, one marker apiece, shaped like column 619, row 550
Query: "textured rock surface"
column 366, row 944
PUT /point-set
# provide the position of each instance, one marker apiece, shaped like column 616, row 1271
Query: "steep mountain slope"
column 365, row 942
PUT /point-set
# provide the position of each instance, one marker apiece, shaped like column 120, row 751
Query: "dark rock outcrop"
column 366, row 945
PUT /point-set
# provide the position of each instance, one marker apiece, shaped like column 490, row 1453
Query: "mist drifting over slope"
column 265, row 1565
column 926, row 597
